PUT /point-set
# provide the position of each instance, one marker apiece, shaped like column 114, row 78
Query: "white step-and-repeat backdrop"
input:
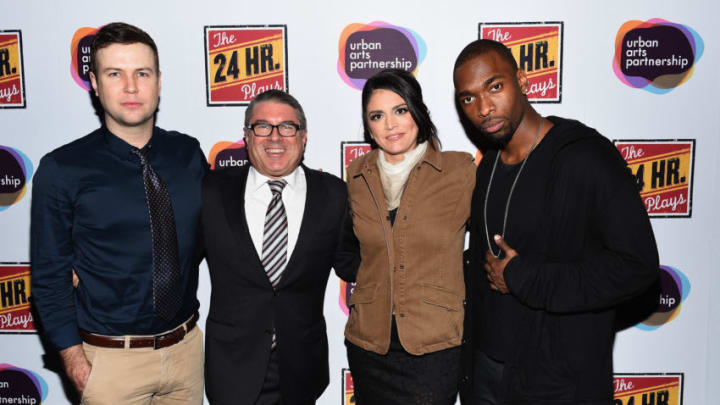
column 644, row 73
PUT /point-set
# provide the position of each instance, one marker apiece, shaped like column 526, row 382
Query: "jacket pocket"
column 221, row 331
column 441, row 297
column 314, row 333
column 363, row 315
column 363, row 295
column 442, row 316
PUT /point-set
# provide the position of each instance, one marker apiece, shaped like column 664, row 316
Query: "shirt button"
column 405, row 218
column 402, row 315
column 402, row 267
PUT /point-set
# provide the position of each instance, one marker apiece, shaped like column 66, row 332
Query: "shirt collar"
column 257, row 180
column 123, row 149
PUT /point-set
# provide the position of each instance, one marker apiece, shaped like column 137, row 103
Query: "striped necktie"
column 275, row 234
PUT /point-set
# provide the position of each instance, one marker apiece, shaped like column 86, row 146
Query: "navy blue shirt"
column 90, row 214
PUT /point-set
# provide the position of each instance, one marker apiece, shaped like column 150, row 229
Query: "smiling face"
column 275, row 156
column 391, row 124
column 491, row 94
column 128, row 85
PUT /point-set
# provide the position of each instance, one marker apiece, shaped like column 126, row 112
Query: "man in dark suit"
column 271, row 233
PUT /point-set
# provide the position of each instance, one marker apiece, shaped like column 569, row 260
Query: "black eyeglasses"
column 285, row 129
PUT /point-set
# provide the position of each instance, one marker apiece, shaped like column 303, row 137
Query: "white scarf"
column 393, row 176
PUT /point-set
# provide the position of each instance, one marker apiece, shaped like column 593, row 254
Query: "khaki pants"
column 169, row 376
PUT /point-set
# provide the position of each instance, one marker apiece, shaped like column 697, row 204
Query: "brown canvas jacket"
column 413, row 269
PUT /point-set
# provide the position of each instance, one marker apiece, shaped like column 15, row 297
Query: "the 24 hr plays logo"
column 243, row 61
column 15, row 316
column 350, row 151
column 12, row 79
column 348, row 388
column 663, row 170
column 537, row 48
column 655, row 389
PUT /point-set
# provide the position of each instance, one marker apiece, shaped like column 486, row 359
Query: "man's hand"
column 77, row 366
column 495, row 267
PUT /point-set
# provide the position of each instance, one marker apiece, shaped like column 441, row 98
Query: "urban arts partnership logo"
column 648, row 388
column 365, row 49
column 12, row 78
column 80, row 56
column 674, row 289
column 15, row 315
column 226, row 154
column 656, row 55
column 349, row 151
column 15, row 171
column 538, row 50
column 243, row 61
column 20, row 386
column 663, row 170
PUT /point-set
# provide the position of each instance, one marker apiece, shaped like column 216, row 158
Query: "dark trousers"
column 487, row 376
column 270, row 392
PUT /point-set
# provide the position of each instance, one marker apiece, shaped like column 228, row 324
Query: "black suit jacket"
column 243, row 305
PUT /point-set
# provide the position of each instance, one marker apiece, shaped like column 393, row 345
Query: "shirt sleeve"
column 51, row 252
column 619, row 258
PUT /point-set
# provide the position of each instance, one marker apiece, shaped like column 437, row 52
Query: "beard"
column 498, row 140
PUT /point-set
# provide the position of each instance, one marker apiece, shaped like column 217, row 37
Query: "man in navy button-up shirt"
column 90, row 215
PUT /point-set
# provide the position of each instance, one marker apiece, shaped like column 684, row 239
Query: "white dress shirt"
column 257, row 199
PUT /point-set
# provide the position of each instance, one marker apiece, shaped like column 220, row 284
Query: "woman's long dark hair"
column 404, row 85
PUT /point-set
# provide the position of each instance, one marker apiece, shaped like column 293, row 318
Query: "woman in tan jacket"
column 410, row 203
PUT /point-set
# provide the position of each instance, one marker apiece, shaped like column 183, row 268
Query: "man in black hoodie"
column 559, row 238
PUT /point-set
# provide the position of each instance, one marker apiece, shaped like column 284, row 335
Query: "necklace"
column 512, row 188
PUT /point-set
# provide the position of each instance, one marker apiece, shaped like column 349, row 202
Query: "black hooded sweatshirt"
column 585, row 245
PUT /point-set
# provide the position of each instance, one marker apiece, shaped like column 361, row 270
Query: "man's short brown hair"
column 120, row 33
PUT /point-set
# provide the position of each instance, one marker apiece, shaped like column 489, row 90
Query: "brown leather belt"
column 156, row 342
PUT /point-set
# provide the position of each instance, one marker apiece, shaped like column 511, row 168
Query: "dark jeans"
column 487, row 376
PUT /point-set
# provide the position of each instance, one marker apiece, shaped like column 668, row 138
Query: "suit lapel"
column 312, row 215
column 234, row 205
